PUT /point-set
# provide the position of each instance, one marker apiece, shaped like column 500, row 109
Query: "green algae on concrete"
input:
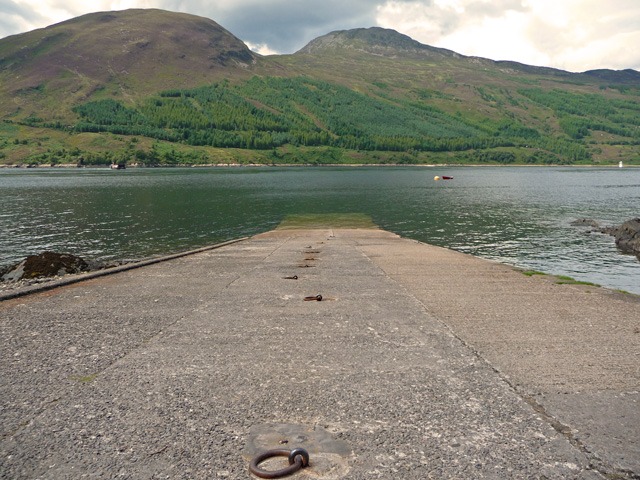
column 327, row 220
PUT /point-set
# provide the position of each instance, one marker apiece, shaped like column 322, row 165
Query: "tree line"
column 268, row 112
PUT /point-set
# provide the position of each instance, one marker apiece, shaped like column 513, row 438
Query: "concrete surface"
column 418, row 363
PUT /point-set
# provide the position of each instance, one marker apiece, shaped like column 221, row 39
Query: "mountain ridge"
column 127, row 50
column 226, row 48
column 381, row 41
column 376, row 40
column 99, row 82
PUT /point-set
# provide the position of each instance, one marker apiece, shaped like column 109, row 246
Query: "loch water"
column 516, row 215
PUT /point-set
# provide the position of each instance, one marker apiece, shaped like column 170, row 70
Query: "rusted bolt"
column 313, row 298
column 295, row 277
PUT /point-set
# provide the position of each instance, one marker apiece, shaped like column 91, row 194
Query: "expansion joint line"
column 595, row 462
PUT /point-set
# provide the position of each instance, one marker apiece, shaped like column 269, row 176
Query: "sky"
column 573, row 35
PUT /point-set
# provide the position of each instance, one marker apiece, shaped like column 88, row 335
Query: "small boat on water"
column 118, row 166
column 444, row 177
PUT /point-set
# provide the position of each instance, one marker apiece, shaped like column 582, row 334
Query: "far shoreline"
column 71, row 166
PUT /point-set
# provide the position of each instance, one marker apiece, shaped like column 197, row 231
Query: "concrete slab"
column 572, row 351
column 187, row 368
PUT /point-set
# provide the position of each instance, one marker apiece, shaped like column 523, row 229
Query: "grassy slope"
column 476, row 89
column 130, row 56
column 120, row 54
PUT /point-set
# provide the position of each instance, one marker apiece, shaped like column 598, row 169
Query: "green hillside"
column 358, row 96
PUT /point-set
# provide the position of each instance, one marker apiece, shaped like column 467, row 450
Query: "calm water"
column 519, row 216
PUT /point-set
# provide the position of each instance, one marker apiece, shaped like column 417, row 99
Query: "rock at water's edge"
column 627, row 236
column 45, row 264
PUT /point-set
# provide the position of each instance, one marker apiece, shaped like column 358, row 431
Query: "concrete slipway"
column 419, row 362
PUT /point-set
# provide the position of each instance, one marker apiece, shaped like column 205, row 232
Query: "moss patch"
column 531, row 273
column 564, row 280
column 85, row 378
column 327, row 220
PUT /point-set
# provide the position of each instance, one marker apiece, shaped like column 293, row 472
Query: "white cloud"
column 41, row 13
column 499, row 36
column 424, row 23
column 262, row 48
column 587, row 34
column 576, row 35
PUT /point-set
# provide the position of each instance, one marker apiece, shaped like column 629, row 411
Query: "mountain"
column 392, row 44
column 376, row 41
column 628, row 76
column 156, row 87
column 132, row 52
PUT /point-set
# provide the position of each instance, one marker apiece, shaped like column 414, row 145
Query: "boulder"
column 45, row 264
column 627, row 236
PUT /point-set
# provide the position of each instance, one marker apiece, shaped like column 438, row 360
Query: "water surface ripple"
column 515, row 215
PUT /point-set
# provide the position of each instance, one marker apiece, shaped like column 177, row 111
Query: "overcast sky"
column 574, row 35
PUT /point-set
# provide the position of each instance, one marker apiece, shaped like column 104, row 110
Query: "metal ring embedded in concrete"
column 298, row 458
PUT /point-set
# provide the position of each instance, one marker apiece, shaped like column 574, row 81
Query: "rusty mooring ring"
column 298, row 458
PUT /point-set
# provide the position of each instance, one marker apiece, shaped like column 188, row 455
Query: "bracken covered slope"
column 147, row 86
column 129, row 53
